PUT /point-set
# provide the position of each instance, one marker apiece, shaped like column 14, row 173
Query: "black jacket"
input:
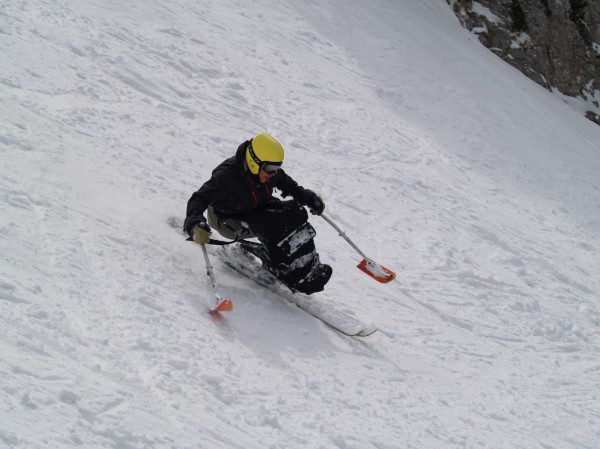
column 232, row 190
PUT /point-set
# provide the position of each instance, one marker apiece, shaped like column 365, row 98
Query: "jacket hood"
column 240, row 159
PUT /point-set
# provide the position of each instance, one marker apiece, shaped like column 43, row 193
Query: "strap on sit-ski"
column 223, row 242
column 218, row 242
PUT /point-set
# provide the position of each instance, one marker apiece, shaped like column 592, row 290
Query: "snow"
column 476, row 186
column 484, row 11
column 520, row 40
column 589, row 100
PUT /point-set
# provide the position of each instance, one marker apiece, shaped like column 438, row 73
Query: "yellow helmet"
column 263, row 149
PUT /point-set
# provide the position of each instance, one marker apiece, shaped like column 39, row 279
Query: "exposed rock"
column 556, row 43
column 593, row 117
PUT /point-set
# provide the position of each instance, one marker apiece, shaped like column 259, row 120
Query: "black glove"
column 316, row 205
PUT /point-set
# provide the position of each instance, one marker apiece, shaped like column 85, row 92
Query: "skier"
column 239, row 203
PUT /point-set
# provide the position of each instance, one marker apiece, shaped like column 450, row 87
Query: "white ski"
column 251, row 268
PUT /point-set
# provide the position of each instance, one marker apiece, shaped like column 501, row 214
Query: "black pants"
column 283, row 229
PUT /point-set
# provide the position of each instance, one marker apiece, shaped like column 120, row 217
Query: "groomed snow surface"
column 478, row 187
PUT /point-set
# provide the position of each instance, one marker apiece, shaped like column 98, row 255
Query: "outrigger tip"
column 225, row 305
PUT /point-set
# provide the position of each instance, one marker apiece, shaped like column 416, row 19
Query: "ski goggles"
column 270, row 169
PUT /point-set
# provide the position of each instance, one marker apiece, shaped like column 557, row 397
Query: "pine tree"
column 577, row 16
column 547, row 9
column 577, row 13
column 519, row 21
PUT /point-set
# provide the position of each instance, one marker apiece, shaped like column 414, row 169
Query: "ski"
column 176, row 223
column 248, row 266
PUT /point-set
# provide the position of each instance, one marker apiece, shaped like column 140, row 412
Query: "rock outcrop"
column 556, row 43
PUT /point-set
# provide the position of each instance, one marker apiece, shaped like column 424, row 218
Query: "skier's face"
column 265, row 175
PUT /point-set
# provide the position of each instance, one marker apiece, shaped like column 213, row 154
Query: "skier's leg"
column 230, row 228
column 287, row 237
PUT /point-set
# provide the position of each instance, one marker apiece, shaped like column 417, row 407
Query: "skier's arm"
column 304, row 196
column 199, row 202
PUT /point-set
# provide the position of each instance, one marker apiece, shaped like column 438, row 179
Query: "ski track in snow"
column 476, row 186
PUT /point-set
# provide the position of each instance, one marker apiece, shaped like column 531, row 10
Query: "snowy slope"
column 477, row 186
